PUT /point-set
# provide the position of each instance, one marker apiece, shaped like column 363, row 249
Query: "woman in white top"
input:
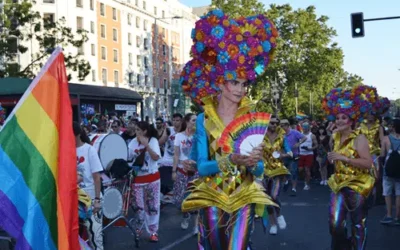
column 144, row 150
column 89, row 168
column 180, row 174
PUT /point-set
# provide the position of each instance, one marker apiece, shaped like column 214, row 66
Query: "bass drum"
column 109, row 147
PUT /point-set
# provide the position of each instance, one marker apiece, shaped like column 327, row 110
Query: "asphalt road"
column 307, row 228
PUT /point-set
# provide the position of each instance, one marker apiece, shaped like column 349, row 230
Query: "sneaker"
column 322, row 183
column 386, row 220
column 273, row 230
column 196, row 230
column 293, row 192
column 325, row 183
column 281, row 222
column 396, row 222
column 285, row 186
column 185, row 223
column 306, row 187
column 154, row 238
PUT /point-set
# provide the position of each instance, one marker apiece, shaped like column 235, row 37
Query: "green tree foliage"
column 236, row 8
column 21, row 26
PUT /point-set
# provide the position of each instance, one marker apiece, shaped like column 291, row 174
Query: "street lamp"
column 156, row 74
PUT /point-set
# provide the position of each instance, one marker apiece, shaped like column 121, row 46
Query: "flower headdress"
column 355, row 102
column 227, row 49
column 381, row 106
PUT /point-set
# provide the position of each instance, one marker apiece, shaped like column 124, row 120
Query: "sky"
column 375, row 57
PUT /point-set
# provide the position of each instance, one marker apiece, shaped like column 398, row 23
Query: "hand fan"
column 244, row 133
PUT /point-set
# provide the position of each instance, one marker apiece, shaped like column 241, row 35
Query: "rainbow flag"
column 38, row 192
column 301, row 116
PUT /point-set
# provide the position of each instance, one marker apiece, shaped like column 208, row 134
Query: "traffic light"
column 357, row 25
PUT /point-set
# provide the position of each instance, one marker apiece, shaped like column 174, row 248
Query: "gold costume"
column 228, row 190
column 372, row 135
column 272, row 166
column 358, row 179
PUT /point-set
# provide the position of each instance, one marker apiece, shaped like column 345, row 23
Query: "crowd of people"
column 181, row 162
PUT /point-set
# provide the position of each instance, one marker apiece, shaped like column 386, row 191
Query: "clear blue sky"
column 376, row 57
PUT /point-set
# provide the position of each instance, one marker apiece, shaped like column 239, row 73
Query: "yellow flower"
column 226, row 22
column 239, row 38
column 257, row 21
column 248, row 28
column 221, row 45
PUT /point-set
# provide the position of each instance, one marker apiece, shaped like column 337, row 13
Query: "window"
column 138, row 41
column 145, row 43
column 48, row 1
column 93, row 75
column 164, row 50
column 81, row 50
column 146, row 62
column 165, row 67
column 79, row 3
column 138, row 61
column 129, row 38
column 129, row 19
column 102, row 9
column 130, row 58
column 163, row 32
column 103, row 53
column 145, row 24
column 104, row 76
column 146, row 79
column 115, row 35
column 155, row 10
column 137, row 22
column 79, row 23
column 91, row 4
column 92, row 27
column 165, row 83
column 163, row 14
column 137, row 2
column 115, row 52
column 49, row 17
column 114, row 13
column 116, row 80
column 138, row 78
column 103, row 31
column 130, row 78
column 92, row 48
column 144, row 5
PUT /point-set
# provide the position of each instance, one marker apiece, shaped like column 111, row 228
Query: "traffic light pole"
column 381, row 18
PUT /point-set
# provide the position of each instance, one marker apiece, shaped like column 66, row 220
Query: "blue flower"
column 223, row 57
column 266, row 46
column 244, row 48
column 218, row 13
column 201, row 83
column 233, row 22
column 259, row 69
column 200, row 46
column 198, row 72
column 218, row 32
column 193, row 35
column 230, row 75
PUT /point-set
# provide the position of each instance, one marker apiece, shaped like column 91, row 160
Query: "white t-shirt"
column 308, row 143
column 185, row 144
column 150, row 166
column 168, row 157
column 88, row 162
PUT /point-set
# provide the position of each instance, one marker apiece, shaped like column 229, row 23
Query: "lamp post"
column 156, row 74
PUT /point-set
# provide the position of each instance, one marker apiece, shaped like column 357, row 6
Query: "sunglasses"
column 274, row 123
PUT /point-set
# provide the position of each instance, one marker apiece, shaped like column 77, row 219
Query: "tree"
column 236, row 8
column 21, row 26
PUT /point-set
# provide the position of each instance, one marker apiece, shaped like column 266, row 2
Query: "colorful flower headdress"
column 381, row 106
column 355, row 102
column 227, row 49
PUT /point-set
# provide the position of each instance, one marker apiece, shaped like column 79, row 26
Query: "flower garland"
column 381, row 106
column 227, row 49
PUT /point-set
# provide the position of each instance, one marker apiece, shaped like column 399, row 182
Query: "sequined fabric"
column 358, row 179
column 227, row 190
column 372, row 135
column 274, row 166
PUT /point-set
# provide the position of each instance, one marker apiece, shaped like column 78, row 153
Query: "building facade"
column 137, row 44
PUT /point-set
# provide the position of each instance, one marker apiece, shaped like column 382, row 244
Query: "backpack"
column 392, row 166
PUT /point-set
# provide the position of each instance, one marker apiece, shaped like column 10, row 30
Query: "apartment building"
column 122, row 48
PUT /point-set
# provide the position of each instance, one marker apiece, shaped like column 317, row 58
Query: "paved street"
column 306, row 216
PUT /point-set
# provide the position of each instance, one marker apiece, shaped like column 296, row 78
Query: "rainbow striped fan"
column 244, row 133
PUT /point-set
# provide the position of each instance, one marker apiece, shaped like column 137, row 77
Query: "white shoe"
column 273, row 230
column 185, row 223
column 196, row 226
column 326, row 183
column 306, row 187
column 281, row 222
column 322, row 183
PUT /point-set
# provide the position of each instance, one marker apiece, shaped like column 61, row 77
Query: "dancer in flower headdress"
column 352, row 182
column 228, row 55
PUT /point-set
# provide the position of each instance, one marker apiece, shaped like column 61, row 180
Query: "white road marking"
column 178, row 241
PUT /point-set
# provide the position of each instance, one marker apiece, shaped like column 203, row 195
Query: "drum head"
column 112, row 203
column 112, row 147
